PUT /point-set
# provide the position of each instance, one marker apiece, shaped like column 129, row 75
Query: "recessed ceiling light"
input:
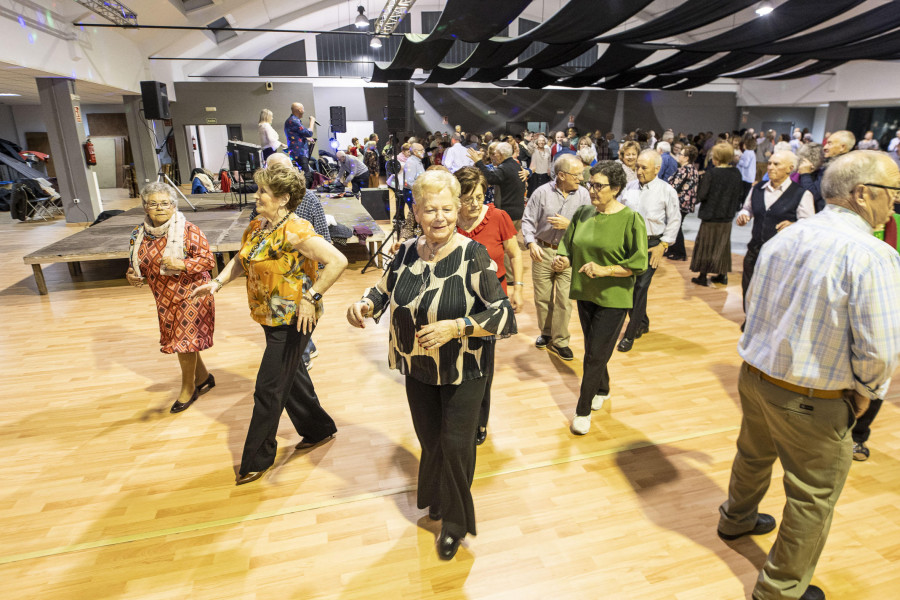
column 764, row 8
column 9, row 94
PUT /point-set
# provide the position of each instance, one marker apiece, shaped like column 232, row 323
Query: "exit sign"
column 210, row 121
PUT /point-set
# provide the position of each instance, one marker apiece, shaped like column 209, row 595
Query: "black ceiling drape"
column 690, row 15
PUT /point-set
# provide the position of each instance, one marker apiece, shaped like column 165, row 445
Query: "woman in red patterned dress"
column 172, row 256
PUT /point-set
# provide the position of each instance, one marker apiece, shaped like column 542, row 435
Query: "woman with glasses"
column 171, row 255
column 492, row 228
column 606, row 247
column 684, row 180
column 444, row 298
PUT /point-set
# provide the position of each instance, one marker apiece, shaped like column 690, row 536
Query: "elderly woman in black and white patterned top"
column 445, row 298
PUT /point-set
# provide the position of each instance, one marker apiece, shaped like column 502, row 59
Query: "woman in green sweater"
column 606, row 247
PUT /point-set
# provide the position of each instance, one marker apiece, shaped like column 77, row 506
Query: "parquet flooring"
column 107, row 495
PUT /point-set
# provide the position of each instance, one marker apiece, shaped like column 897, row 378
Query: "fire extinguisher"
column 194, row 142
column 89, row 155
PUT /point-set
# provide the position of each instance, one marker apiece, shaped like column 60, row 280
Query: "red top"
column 495, row 228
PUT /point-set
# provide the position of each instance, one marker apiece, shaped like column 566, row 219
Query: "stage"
column 221, row 222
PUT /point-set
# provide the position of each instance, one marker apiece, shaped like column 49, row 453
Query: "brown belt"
column 811, row 392
column 545, row 244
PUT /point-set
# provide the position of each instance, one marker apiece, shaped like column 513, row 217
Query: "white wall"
column 213, row 140
column 351, row 98
column 8, row 130
column 854, row 82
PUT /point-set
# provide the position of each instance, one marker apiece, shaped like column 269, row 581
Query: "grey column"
column 618, row 121
column 61, row 109
column 143, row 146
column 836, row 118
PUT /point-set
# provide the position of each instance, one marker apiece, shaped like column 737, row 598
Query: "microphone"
column 316, row 122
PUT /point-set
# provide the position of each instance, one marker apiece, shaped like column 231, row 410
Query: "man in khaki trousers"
column 822, row 338
column 547, row 215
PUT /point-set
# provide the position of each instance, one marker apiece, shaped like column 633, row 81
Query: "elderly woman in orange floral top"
column 279, row 253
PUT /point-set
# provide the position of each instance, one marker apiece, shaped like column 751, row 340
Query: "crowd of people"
column 596, row 216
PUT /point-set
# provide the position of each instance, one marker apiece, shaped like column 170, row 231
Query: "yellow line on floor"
column 137, row 537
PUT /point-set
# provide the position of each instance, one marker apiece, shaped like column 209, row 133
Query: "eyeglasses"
column 597, row 187
column 160, row 205
column 892, row 190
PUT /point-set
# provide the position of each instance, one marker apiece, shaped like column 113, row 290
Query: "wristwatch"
column 314, row 295
column 469, row 328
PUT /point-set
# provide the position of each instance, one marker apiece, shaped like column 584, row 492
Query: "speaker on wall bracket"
column 401, row 107
column 339, row 119
column 156, row 100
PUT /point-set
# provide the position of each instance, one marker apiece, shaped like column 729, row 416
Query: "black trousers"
column 445, row 418
column 750, row 259
column 601, row 327
column 862, row 429
column 282, row 383
column 357, row 183
column 490, row 346
column 267, row 152
column 677, row 250
column 637, row 316
column 303, row 163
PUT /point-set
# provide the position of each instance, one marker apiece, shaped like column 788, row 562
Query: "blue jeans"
column 310, row 348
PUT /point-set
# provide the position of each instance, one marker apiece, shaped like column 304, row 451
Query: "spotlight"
column 375, row 43
column 334, row 144
column 361, row 21
column 764, row 8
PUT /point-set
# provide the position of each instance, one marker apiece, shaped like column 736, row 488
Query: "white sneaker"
column 597, row 402
column 581, row 425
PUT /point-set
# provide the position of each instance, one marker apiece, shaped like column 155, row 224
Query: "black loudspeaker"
column 156, row 100
column 377, row 202
column 401, row 114
column 338, row 119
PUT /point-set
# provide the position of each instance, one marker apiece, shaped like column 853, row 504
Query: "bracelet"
column 308, row 299
column 522, row 283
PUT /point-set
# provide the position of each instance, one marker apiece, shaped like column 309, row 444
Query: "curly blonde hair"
column 282, row 180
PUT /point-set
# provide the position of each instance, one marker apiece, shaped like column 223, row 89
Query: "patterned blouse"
column 684, row 180
column 277, row 274
column 462, row 284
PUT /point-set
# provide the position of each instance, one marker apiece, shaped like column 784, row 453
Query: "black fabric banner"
column 473, row 21
column 690, row 15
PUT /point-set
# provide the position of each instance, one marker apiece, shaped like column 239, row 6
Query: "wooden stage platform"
column 223, row 224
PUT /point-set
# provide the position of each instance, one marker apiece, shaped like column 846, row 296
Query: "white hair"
column 783, row 147
column 586, row 154
column 657, row 157
column 787, row 155
column 504, row 150
column 158, row 187
column 564, row 160
column 664, row 147
column 852, row 169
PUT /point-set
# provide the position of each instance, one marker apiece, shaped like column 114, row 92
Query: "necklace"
column 433, row 251
column 265, row 233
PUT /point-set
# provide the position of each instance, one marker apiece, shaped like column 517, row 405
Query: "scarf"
column 173, row 229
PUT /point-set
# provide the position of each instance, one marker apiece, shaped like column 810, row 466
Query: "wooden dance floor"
column 108, row 495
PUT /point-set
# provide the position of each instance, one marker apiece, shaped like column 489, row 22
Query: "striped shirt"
column 822, row 308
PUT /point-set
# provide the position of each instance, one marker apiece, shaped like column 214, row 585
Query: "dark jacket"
column 512, row 189
column 720, row 194
column 812, row 182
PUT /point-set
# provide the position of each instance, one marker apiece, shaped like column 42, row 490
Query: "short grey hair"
column 845, row 137
column 664, row 148
column 565, row 160
column 786, row 154
column 158, row 187
column 812, row 152
column 504, row 150
column 587, row 155
column 657, row 157
column 852, row 169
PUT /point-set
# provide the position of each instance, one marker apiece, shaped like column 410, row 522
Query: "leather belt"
column 810, row 392
column 545, row 244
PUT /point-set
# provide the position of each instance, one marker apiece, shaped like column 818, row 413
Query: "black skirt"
column 712, row 250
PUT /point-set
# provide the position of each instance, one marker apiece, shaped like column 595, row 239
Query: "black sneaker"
column 860, row 452
column 563, row 353
column 625, row 345
column 700, row 281
column 813, row 593
column 720, row 279
column 641, row 332
column 541, row 342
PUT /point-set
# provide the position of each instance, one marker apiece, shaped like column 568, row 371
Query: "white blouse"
column 268, row 137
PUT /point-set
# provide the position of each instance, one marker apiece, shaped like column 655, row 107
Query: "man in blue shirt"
column 822, row 340
column 669, row 164
column 298, row 137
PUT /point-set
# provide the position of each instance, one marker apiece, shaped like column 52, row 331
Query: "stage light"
column 764, row 8
column 361, row 21
column 334, row 143
column 375, row 43
column 9, row 94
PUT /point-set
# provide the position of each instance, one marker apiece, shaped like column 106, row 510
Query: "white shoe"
column 314, row 354
column 581, row 425
column 597, row 402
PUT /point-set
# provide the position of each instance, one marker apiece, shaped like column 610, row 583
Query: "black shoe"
column 813, row 593
column 434, row 513
column 180, row 406
column 207, row 385
column 251, row 476
column 447, row 545
column 860, row 452
column 306, row 443
column 541, row 342
column 563, row 353
column 720, row 279
column 764, row 524
column 641, row 332
column 625, row 345
column 700, row 281
column 480, row 436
